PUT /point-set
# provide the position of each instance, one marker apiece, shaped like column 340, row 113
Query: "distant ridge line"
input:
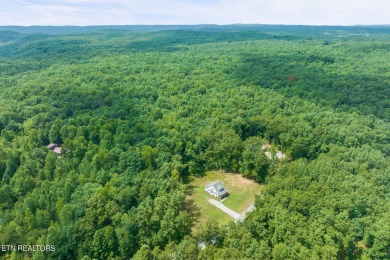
column 151, row 28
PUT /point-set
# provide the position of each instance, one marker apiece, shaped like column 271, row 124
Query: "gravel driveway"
column 235, row 215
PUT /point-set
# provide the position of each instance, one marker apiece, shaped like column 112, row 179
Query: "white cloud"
column 98, row 12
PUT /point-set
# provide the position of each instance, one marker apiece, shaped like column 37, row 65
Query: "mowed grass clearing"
column 242, row 193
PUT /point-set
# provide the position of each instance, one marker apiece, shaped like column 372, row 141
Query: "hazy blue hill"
column 150, row 28
column 82, row 29
column 6, row 36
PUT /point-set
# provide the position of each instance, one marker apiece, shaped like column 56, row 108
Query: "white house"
column 216, row 189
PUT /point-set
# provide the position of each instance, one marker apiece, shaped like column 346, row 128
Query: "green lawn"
column 241, row 195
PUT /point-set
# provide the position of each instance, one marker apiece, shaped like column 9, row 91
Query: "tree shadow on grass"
column 191, row 207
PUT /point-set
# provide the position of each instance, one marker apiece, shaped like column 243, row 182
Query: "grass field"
column 241, row 194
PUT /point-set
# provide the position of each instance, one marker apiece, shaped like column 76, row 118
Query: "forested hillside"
column 137, row 114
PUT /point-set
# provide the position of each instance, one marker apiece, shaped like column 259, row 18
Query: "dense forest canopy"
column 139, row 111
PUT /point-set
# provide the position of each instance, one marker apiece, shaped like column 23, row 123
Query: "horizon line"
column 201, row 24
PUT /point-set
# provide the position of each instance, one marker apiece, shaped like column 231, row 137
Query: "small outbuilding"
column 280, row 155
column 51, row 146
column 217, row 189
column 55, row 148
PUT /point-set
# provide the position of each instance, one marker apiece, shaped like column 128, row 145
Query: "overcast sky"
column 122, row 12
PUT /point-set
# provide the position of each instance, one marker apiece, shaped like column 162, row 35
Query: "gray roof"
column 218, row 186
